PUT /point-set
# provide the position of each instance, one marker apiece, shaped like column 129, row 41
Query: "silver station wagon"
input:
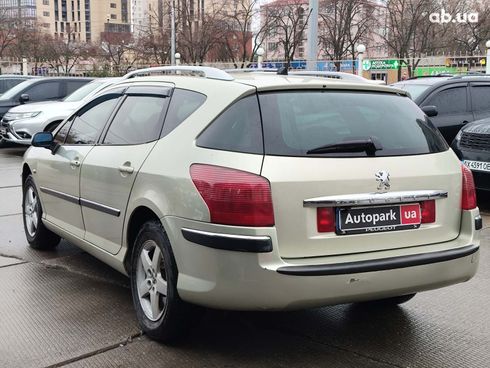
column 254, row 192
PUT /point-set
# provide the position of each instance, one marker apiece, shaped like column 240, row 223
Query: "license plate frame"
column 343, row 227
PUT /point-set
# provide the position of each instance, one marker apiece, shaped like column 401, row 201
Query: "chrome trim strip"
column 100, row 207
column 229, row 236
column 55, row 193
column 229, row 242
column 363, row 199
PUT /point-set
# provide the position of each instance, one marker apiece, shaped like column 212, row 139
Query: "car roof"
column 261, row 82
column 446, row 79
column 17, row 76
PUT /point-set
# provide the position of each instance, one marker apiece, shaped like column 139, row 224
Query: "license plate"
column 361, row 220
column 477, row 165
column 3, row 131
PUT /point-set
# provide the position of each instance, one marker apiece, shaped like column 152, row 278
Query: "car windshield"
column 345, row 124
column 84, row 91
column 15, row 90
column 415, row 90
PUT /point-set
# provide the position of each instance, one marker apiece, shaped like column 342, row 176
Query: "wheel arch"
column 26, row 171
column 138, row 217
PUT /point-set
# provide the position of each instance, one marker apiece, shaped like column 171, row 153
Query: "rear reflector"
column 428, row 212
column 325, row 220
column 234, row 197
column 468, row 198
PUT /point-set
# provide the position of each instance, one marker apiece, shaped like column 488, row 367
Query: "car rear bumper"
column 243, row 279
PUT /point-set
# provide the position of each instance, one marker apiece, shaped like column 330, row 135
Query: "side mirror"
column 24, row 98
column 45, row 140
column 430, row 110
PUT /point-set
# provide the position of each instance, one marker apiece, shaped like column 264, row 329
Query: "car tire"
column 396, row 300
column 38, row 236
column 161, row 313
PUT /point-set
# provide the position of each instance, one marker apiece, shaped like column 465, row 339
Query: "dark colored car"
column 8, row 81
column 459, row 100
column 40, row 89
column 472, row 145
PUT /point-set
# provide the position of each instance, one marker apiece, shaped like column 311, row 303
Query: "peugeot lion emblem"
column 383, row 179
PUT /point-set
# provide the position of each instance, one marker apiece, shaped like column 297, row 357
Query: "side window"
column 61, row 134
column 44, row 91
column 237, row 129
column 452, row 100
column 182, row 105
column 481, row 98
column 72, row 86
column 139, row 120
column 89, row 122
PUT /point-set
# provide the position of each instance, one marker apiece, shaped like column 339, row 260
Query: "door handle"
column 75, row 163
column 126, row 169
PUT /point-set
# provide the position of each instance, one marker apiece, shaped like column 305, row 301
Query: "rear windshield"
column 296, row 122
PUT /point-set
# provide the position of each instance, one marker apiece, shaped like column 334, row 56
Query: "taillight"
column 325, row 220
column 234, row 197
column 428, row 212
column 468, row 198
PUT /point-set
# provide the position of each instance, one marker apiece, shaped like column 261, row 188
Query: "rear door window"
column 480, row 95
column 139, row 120
column 296, row 122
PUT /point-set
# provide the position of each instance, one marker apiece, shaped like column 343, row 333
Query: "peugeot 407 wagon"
column 254, row 192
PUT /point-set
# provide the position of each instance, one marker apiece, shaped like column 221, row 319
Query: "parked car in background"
column 458, row 100
column 8, row 81
column 40, row 89
column 278, row 192
column 20, row 123
column 472, row 145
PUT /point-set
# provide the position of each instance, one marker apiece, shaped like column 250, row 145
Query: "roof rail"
column 203, row 71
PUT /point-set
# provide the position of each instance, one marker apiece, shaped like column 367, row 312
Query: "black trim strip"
column 237, row 243
column 379, row 264
column 66, row 197
column 100, row 207
column 82, row 202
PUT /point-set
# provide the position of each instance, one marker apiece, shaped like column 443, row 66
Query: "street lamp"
column 260, row 54
column 361, row 49
column 488, row 57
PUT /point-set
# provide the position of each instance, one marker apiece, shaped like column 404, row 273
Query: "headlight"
column 20, row 115
column 458, row 136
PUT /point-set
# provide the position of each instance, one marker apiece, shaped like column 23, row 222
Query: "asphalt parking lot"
column 65, row 308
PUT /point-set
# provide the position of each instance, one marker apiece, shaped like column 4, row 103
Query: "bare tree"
column 410, row 33
column 63, row 54
column 153, row 41
column 119, row 50
column 343, row 24
column 289, row 19
column 238, row 43
column 8, row 31
column 200, row 30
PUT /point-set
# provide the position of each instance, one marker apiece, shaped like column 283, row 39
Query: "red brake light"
column 325, row 220
column 234, row 197
column 468, row 198
column 428, row 212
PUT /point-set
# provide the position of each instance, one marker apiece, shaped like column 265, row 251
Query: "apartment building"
column 81, row 20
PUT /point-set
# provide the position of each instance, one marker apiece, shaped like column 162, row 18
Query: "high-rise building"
column 81, row 20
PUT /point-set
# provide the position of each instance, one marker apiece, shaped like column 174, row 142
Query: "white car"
column 260, row 192
column 23, row 121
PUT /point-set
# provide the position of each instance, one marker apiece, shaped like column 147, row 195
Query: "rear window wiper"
column 369, row 145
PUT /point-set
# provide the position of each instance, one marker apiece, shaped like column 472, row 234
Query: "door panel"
column 58, row 180
column 107, row 178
